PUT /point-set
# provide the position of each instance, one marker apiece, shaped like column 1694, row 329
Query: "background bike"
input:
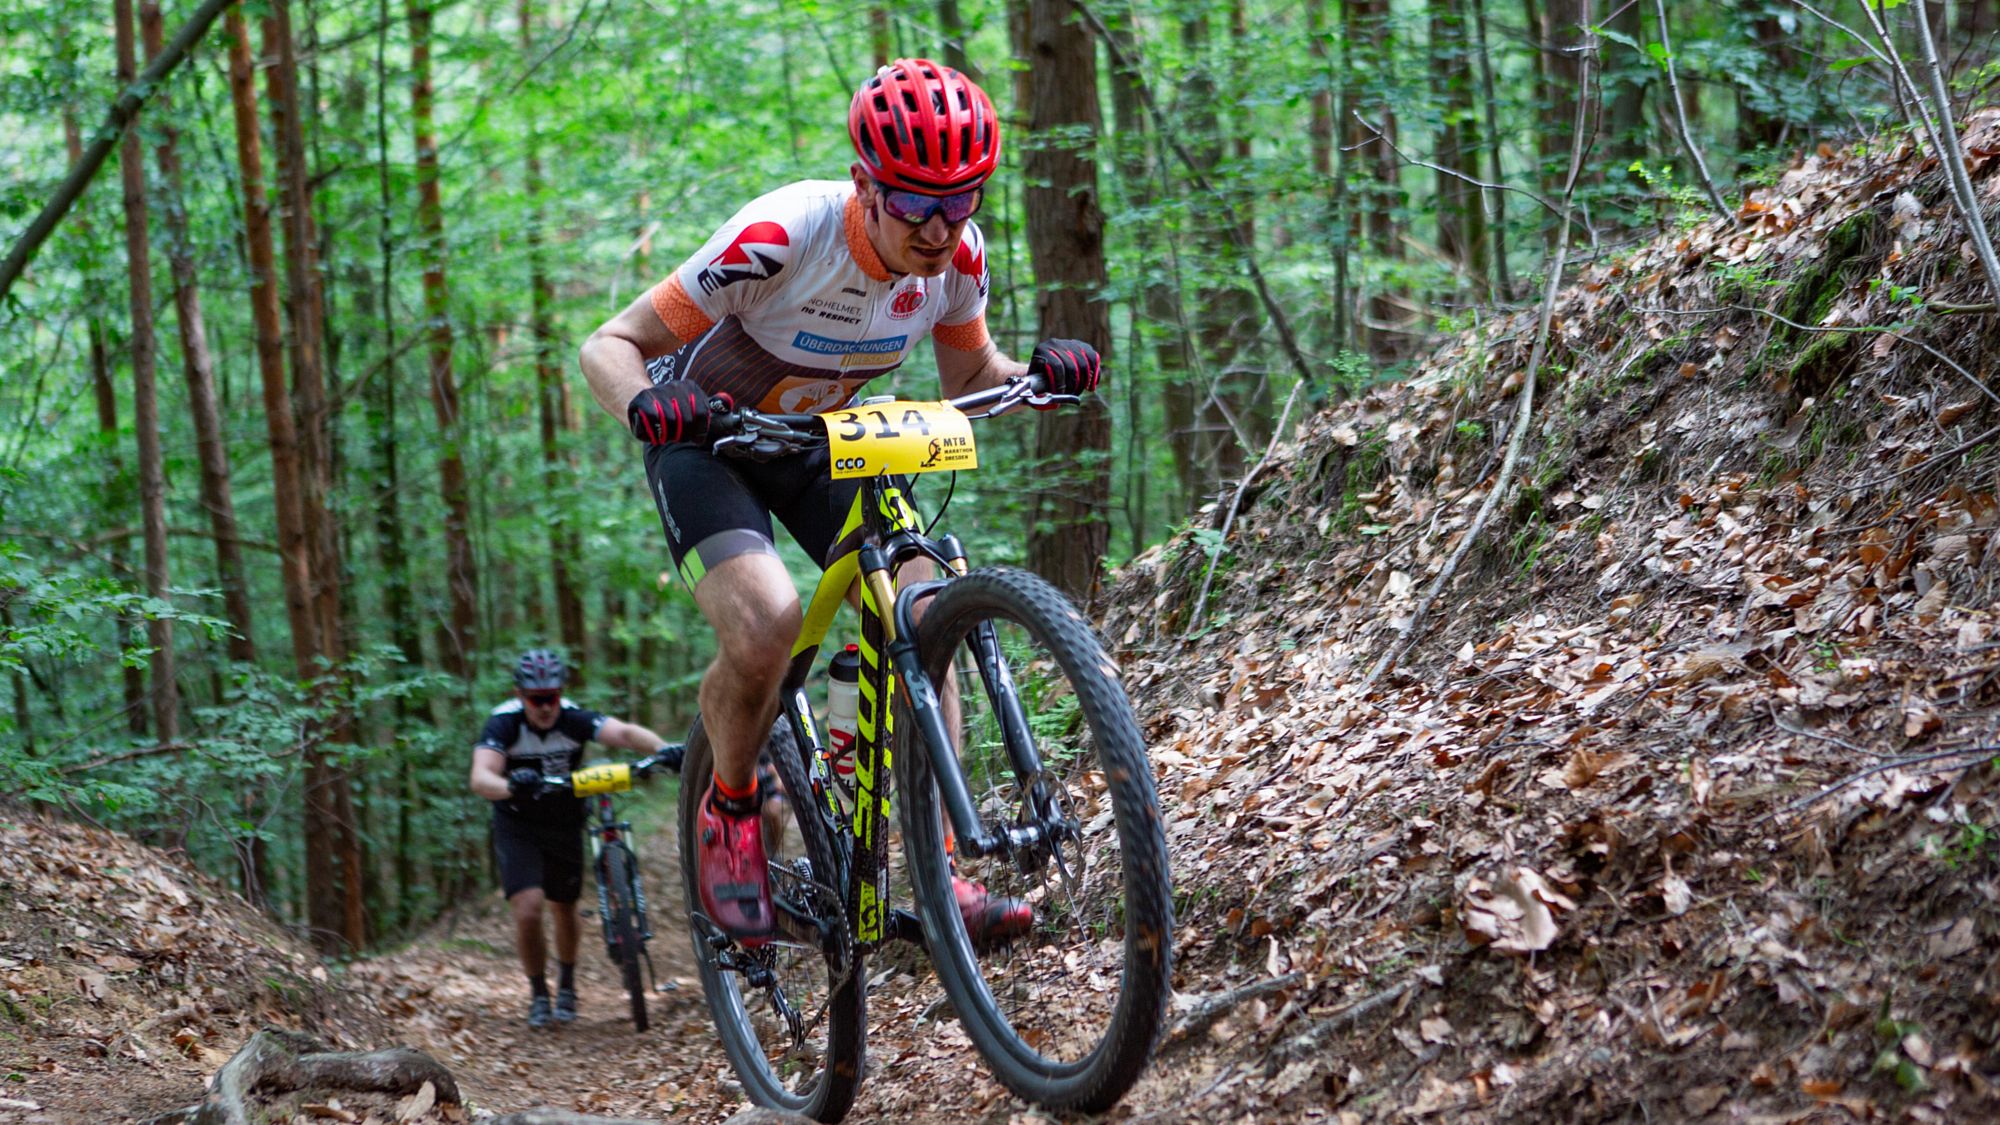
column 1021, row 769
column 621, row 902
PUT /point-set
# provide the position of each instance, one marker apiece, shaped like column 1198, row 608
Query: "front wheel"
column 788, row 1013
column 1067, row 1012
column 622, row 929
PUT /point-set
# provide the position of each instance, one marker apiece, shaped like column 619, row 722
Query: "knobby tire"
column 1053, row 1060
column 620, row 879
column 827, row 1094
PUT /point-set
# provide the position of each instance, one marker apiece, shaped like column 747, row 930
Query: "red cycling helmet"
column 923, row 127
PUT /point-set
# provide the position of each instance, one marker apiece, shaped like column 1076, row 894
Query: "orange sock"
column 737, row 802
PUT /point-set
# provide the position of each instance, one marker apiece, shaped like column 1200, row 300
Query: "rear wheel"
column 1067, row 1012
column 623, row 930
column 789, row 1017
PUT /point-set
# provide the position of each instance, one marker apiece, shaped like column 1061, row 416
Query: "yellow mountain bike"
column 1020, row 768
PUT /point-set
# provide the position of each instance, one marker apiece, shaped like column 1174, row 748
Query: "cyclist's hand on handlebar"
column 669, row 757
column 676, row 410
column 524, row 782
column 1070, row 367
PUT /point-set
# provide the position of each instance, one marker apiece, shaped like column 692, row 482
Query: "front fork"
column 927, row 711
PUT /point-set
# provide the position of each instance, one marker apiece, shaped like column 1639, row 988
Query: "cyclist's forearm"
column 630, row 736
column 615, row 371
column 488, row 783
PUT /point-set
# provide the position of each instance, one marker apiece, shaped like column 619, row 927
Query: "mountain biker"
column 805, row 295
column 538, row 835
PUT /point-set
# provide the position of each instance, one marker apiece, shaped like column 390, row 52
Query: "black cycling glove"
column 1070, row 366
column 669, row 757
column 676, row 410
column 524, row 782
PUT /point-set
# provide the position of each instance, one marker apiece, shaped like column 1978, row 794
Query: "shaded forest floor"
column 1686, row 807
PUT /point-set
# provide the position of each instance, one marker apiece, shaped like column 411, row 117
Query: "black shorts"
column 715, row 508
column 534, row 854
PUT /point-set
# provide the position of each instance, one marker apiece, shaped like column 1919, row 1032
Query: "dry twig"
column 1410, row 630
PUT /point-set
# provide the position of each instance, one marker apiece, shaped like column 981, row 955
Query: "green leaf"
column 1850, row 64
column 1617, row 37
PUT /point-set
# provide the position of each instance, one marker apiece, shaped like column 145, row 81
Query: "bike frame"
column 885, row 530
column 606, row 830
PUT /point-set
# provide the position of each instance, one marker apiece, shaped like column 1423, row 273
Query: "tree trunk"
column 116, row 491
column 1559, row 35
column 1375, row 43
column 165, row 696
column 1235, row 399
column 951, row 30
column 1625, row 88
column 461, row 573
column 287, row 486
column 1503, row 285
column 564, row 547
column 336, row 875
column 1461, row 213
column 1756, row 128
column 1157, row 311
column 1070, row 530
column 198, row 368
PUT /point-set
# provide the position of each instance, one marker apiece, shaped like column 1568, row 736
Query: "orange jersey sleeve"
column 678, row 311
column 968, row 337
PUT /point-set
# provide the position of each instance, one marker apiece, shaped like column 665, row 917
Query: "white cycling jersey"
column 788, row 307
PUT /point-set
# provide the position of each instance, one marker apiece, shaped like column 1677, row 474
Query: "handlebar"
column 615, row 777
column 760, row 435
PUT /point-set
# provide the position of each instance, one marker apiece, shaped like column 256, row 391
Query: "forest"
column 256, row 611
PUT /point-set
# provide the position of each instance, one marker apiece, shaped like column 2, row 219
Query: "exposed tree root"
column 275, row 1063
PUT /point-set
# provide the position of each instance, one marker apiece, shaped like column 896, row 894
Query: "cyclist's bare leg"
column 750, row 603
column 566, row 931
column 528, row 940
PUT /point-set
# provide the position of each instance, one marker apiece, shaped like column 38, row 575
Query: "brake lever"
column 1048, row 399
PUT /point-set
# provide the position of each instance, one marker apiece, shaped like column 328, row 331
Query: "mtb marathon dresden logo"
column 751, row 256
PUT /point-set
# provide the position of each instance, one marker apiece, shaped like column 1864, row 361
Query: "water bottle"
column 843, row 709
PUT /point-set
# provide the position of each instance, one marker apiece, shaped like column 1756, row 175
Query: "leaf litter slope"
column 1685, row 807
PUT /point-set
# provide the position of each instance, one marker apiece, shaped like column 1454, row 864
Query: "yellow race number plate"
column 613, row 777
column 899, row 437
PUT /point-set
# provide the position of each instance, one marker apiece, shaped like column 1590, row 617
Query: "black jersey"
column 559, row 749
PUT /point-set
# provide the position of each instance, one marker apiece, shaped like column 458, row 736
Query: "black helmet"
column 539, row 669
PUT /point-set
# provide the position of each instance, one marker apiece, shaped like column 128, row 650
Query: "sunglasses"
column 916, row 208
column 542, row 698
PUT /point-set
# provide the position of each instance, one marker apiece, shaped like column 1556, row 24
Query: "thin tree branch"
column 1502, row 481
column 1954, row 157
column 127, row 755
column 122, row 111
column 1235, row 503
column 1884, row 767
column 1681, row 121
column 1379, row 135
column 1900, row 80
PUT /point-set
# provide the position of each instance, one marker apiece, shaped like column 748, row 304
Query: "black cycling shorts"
column 549, row 856
column 715, row 508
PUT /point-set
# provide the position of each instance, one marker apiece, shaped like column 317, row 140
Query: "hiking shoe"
column 989, row 918
column 565, row 1005
column 538, row 1012
column 731, row 872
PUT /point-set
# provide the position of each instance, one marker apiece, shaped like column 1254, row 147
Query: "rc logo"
column 905, row 303
column 754, row 255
